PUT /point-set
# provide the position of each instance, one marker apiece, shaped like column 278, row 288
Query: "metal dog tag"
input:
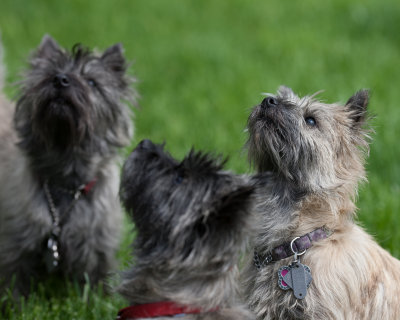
column 297, row 277
column 51, row 256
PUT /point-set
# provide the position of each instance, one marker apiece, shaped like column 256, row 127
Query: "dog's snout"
column 62, row 80
column 269, row 102
column 146, row 144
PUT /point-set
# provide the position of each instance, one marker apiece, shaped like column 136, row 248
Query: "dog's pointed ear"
column 357, row 105
column 236, row 200
column 47, row 48
column 114, row 59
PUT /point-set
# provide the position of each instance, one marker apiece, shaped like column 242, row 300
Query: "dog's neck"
column 287, row 210
column 66, row 174
column 67, row 169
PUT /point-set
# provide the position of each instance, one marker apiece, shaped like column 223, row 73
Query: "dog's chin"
column 266, row 162
column 260, row 153
column 262, row 116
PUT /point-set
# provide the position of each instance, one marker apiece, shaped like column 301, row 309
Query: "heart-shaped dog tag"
column 283, row 271
column 296, row 277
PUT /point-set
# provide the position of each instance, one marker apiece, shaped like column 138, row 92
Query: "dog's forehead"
column 70, row 62
column 79, row 58
column 294, row 100
column 286, row 93
column 91, row 64
column 331, row 111
column 306, row 103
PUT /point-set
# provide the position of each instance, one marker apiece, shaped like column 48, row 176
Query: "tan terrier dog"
column 311, row 260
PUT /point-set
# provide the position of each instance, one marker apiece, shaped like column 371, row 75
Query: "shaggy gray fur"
column 67, row 134
column 192, row 221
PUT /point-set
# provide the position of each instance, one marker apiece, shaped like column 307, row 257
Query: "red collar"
column 88, row 186
column 154, row 310
column 82, row 189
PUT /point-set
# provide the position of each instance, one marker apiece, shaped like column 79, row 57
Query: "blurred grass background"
column 202, row 65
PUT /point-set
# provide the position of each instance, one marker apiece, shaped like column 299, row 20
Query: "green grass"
column 48, row 301
column 202, row 65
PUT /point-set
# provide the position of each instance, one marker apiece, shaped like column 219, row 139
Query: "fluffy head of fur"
column 73, row 100
column 315, row 146
column 188, row 213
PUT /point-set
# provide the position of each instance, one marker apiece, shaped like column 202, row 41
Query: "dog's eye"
column 178, row 179
column 91, row 82
column 180, row 176
column 310, row 121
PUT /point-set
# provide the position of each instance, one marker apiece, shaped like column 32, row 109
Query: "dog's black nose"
column 269, row 102
column 61, row 80
column 146, row 144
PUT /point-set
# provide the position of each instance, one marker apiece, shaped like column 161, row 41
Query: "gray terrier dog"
column 192, row 220
column 311, row 260
column 59, row 208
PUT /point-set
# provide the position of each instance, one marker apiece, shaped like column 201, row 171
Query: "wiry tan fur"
column 311, row 178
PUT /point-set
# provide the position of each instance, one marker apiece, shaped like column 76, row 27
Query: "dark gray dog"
column 59, row 176
column 192, row 220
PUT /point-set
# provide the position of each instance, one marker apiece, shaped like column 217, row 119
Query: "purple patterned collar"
column 299, row 244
